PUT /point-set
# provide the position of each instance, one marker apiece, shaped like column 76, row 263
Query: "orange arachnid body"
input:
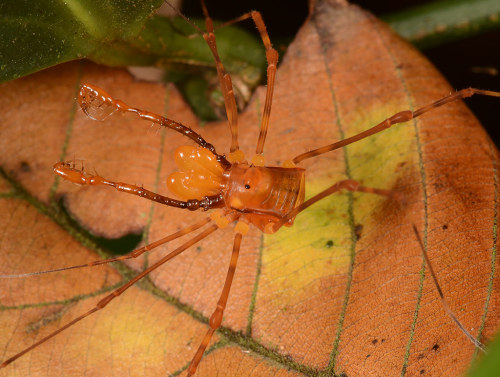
column 262, row 195
column 233, row 189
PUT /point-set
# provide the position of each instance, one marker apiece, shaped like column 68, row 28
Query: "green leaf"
column 488, row 365
column 439, row 22
column 37, row 35
column 40, row 34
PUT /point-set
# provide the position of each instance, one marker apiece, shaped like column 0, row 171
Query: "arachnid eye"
column 247, row 187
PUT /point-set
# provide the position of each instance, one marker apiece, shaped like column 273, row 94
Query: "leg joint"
column 216, row 318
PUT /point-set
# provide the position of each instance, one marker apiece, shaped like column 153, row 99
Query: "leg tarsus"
column 447, row 308
column 461, row 94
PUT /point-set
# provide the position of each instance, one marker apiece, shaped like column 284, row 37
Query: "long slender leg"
column 77, row 176
column 272, row 62
column 216, row 317
column 401, row 117
column 476, row 342
column 348, row 184
column 224, row 78
column 98, row 105
column 106, row 300
column 225, row 81
column 134, row 254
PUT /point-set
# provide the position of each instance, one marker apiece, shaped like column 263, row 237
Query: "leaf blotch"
column 25, row 167
column 358, row 230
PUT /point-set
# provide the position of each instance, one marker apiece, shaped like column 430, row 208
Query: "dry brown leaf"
column 341, row 291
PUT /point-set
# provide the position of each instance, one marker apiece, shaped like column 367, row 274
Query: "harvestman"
column 238, row 191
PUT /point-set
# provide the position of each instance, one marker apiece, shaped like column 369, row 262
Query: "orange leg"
column 134, row 254
column 106, row 300
column 348, row 184
column 272, row 62
column 401, row 117
column 225, row 81
column 216, row 318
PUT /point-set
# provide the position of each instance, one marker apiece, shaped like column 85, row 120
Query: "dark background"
column 458, row 61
